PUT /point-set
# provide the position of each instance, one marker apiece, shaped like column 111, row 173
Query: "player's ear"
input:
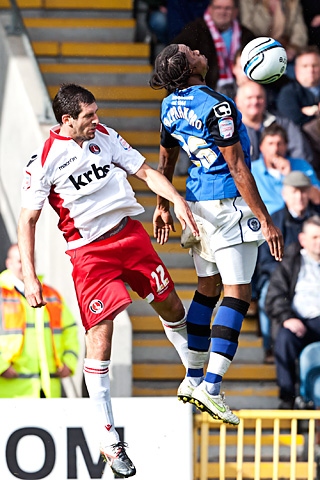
column 66, row 120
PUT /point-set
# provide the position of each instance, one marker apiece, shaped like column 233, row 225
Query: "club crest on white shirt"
column 94, row 148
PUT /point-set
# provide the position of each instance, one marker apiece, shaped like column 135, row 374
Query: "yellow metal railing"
column 265, row 445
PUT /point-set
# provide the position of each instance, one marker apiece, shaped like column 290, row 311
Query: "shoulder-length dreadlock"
column 172, row 70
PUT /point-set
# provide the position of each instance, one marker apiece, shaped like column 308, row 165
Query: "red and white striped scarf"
column 224, row 59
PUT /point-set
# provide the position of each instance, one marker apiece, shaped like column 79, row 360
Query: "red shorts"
column 101, row 269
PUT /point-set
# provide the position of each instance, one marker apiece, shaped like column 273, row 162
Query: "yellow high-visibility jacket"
column 21, row 341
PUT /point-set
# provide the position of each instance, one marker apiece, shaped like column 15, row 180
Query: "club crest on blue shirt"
column 254, row 224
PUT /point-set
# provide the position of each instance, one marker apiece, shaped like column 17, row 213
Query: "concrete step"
column 254, row 396
column 89, row 49
column 151, row 323
column 75, row 29
column 123, row 93
column 155, row 347
column 135, row 120
column 140, row 139
column 100, row 74
column 152, row 156
column 152, row 380
column 236, row 372
column 124, row 5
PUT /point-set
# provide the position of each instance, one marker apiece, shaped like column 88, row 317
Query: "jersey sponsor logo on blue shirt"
column 226, row 127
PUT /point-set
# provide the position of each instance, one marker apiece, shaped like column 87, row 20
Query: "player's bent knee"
column 171, row 309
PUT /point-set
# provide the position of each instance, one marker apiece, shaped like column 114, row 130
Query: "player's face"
column 84, row 127
column 198, row 63
column 223, row 12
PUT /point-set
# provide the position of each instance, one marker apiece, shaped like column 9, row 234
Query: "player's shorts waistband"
column 113, row 231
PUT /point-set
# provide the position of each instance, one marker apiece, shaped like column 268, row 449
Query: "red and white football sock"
column 177, row 335
column 96, row 375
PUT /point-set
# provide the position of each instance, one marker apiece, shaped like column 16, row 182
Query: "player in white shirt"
column 82, row 170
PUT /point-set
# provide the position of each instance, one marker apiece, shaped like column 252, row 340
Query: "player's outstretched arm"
column 247, row 187
column 163, row 222
column 160, row 185
column 26, row 241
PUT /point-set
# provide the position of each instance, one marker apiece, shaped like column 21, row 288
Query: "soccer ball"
column 264, row 60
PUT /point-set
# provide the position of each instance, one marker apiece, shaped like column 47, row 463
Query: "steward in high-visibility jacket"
column 36, row 342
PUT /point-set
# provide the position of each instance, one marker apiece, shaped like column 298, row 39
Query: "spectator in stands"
column 273, row 164
column 151, row 24
column 311, row 132
column 280, row 19
column 293, row 304
column 157, row 23
column 311, row 13
column 181, row 12
column 298, row 207
column 251, row 101
column 37, row 347
column 157, row 20
column 239, row 77
column 217, row 35
column 309, row 372
column 299, row 100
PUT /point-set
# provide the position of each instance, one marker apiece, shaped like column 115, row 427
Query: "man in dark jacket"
column 289, row 219
column 300, row 99
column 218, row 36
column 293, row 304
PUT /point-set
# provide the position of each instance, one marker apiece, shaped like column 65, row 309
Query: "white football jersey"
column 87, row 186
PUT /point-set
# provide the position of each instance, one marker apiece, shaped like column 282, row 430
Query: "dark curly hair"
column 171, row 71
column 69, row 100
